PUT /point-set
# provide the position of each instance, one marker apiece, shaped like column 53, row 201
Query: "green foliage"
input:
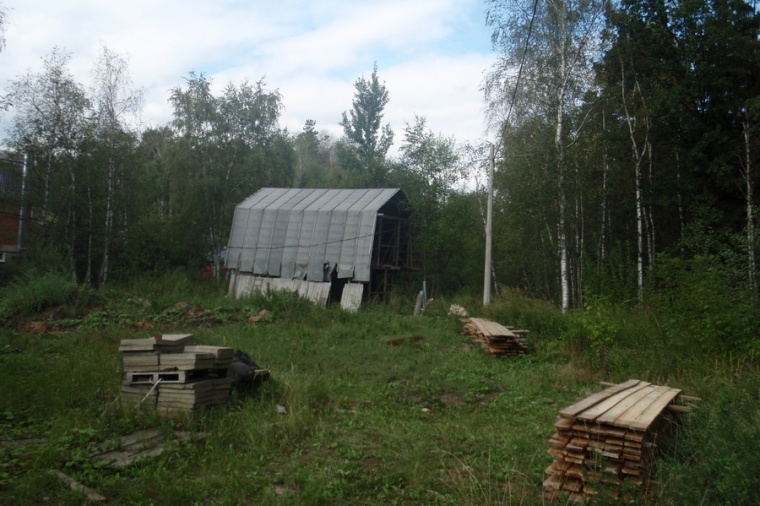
column 600, row 327
column 365, row 421
column 698, row 299
column 34, row 291
column 717, row 446
column 368, row 140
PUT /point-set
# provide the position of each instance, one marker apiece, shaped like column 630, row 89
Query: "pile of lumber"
column 168, row 374
column 607, row 442
column 496, row 338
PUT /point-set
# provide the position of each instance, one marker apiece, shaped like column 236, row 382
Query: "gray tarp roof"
column 306, row 233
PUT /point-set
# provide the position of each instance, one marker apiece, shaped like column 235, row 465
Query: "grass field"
column 429, row 421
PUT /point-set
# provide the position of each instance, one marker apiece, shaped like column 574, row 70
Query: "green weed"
column 373, row 407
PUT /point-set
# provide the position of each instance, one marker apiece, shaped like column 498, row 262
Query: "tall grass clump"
column 717, row 446
column 702, row 300
column 287, row 306
column 517, row 310
column 33, row 291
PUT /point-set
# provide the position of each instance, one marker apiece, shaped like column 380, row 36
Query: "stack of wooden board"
column 608, row 441
column 496, row 338
column 170, row 375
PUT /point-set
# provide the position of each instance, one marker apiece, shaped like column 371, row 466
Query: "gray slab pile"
column 169, row 374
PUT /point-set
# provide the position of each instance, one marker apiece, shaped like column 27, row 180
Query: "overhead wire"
column 522, row 61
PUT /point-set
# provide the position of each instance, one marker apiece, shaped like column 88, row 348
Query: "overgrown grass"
column 431, row 420
column 34, row 291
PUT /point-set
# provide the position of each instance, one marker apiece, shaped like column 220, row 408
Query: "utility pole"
column 489, row 227
column 22, row 225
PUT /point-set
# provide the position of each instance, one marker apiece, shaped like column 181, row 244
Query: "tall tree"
column 554, row 44
column 50, row 108
column 232, row 146
column 3, row 21
column 116, row 102
column 427, row 171
column 362, row 127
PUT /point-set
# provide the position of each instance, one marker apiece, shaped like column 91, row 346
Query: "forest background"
column 624, row 240
column 625, row 164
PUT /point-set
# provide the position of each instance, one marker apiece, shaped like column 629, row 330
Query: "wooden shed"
column 325, row 244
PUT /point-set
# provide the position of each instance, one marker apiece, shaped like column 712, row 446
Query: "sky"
column 431, row 54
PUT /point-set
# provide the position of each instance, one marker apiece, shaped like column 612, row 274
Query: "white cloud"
column 427, row 52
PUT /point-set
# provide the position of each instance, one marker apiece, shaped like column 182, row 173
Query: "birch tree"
column 116, row 102
column 50, row 107
column 552, row 44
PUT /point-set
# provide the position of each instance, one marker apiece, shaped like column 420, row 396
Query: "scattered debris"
column 458, row 311
column 261, row 316
column 182, row 314
column 126, row 450
column 401, row 340
column 91, row 495
column 608, row 441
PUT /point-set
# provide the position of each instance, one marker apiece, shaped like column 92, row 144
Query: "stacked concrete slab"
column 171, row 376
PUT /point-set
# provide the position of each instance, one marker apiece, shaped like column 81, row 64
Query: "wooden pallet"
column 151, row 377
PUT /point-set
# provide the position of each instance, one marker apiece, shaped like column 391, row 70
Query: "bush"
column 698, row 299
column 34, row 291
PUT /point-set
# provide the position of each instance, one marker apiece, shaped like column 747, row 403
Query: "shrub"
column 698, row 299
column 34, row 291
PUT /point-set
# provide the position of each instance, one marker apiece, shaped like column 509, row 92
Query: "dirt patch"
column 371, row 463
column 413, row 398
column 452, row 399
column 402, row 340
column 488, row 398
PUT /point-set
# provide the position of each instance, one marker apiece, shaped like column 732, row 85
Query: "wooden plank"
column 575, row 471
column 572, row 485
column 553, row 482
column 605, row 431
column 75, row 485
column 593, row 412
column 618, row 410
column 625, row 419
column 645, row 419
column 489, row 328
column 579, row 407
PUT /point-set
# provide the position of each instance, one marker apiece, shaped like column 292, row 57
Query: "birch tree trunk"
column 72, row 226
column 750, row 193
column 651, row 250
column 605, row 197
column 559, row 144
column 90, row 212
column 638, row 157
column 105, row 266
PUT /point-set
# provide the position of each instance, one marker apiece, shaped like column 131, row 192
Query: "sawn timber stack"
column 608, row 441
column 496, row 338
